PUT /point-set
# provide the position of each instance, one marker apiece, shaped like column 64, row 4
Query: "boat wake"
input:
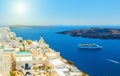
column 113, row 61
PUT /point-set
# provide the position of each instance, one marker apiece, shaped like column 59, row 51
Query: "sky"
column 56, row 12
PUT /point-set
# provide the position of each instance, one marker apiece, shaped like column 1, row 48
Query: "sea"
column 104, row 62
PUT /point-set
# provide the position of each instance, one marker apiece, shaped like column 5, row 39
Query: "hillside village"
column 20, row 57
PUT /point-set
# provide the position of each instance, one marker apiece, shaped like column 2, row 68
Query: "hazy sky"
column 68, row 12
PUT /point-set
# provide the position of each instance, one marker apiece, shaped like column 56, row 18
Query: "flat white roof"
column 62, row 69
column 56, row 62
column 18, row 59
column 60, row 73
column 51, row 54
column 75, row 73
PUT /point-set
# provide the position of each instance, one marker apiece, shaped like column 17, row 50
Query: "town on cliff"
column 20, row 57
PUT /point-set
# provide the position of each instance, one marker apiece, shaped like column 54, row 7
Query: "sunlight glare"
column 20, row 8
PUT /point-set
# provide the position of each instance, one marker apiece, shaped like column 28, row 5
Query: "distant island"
column 30, row 26
column 101, row 33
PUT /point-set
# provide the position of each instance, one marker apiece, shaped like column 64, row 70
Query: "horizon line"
column 59, row 24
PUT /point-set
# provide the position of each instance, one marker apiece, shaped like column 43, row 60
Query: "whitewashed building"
column 24, row 62
column 5, row 62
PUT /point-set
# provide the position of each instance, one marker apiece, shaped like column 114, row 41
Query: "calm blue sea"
column 104, row 62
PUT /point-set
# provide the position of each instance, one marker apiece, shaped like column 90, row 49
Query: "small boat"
column 89, row 46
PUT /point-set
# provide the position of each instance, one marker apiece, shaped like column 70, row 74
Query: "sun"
column 20, row 8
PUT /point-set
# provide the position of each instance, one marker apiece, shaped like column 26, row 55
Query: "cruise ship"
column 89, row 46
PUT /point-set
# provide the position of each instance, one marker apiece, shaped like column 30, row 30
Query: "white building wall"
column 5, row 65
